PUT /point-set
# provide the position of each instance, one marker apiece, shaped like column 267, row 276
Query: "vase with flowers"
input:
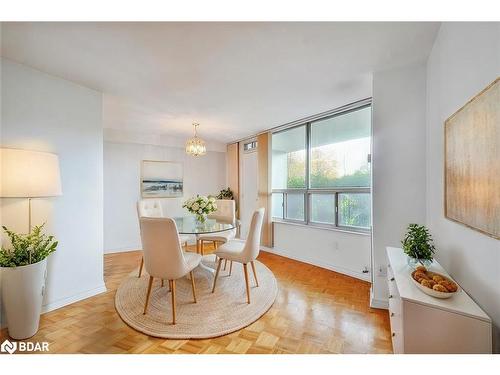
column 200, row 206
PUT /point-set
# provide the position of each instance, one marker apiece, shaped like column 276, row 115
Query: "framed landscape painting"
column 472, row 163
column 161, row 179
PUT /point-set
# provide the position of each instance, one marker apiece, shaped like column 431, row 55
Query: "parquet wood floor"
column 316, row 311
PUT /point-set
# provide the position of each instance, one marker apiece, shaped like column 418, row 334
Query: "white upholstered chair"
column 241, row 251
column 226, row 213
column 152, row 208
column 163, row 256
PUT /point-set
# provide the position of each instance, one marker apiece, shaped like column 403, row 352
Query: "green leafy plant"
column 417, row 243
column 225, row 194
column 28, row 248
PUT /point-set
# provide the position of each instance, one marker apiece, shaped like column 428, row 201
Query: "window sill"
column 360, row 232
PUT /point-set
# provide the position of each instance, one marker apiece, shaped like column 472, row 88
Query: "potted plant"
column 226, row 194
column 24, row 270
column 417, row 244
column 200, row 206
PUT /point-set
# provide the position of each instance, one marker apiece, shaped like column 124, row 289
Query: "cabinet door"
column 432, row 330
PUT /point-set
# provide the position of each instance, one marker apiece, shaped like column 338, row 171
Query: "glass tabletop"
column 189, row 225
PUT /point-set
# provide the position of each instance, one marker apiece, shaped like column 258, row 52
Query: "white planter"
column 22, row 294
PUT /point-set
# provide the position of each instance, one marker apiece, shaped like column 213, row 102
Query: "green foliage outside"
column 28, row 248
column 360, row 178
column 417, row 242
column 354, row 210
column 323, row 173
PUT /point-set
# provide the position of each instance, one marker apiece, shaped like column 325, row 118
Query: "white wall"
column 45, row 113
column 343, row 252
column 122, row 168
column 464, row 60
column 398, row 163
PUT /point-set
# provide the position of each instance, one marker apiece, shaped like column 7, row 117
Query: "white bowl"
column 435, row 293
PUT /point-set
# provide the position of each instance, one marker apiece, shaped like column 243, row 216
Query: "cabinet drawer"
column 390, row 272
column 397, row 342
column 393, row 288
column 395, row 306
column 397, row 333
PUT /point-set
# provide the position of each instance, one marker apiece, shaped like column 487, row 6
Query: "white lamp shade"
column 29, row 174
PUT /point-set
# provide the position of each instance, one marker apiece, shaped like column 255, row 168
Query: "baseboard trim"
column 318, row 263
column 378, row 303
column 75, row 298
column 122, row 249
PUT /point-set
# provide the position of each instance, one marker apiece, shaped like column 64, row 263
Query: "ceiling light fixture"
column 195, row 146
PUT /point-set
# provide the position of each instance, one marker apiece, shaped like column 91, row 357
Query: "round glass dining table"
column 190, row 226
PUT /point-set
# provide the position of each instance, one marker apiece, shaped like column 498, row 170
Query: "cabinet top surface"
column 460, row 303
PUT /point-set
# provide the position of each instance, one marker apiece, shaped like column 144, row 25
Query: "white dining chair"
column 226, row 213
column 163, row 256
column 243, row 251
column 152, row 208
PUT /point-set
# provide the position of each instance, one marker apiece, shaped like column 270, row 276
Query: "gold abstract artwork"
column 472, row 163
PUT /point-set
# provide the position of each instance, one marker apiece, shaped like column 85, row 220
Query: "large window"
column 289, row 159
column 321, row 171
column 340, row 146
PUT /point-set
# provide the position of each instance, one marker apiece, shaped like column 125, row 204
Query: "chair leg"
column 172, row 284
column 230, row 267
column 216, row 245
column 202, row 247
column 217, row 274
column 254, row 273
column 246, row 282
column 162, row 283
column 225, row 264
column 148, row 294
column 197, row 246
column 193, row 286
column 140, row 268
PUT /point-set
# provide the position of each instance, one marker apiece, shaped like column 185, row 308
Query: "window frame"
column 308, row 191
column 250, row 146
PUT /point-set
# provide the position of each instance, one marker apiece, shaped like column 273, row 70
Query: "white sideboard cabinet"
column 424, row 324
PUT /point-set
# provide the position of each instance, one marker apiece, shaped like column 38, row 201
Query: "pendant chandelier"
column 195, row 146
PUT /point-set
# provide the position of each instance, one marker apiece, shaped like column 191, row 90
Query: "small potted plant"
column 24, row 269
column 417, row 244
column 226, row 194
column 200, row 206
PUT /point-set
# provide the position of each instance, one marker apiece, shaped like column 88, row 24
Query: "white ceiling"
column 235, row 79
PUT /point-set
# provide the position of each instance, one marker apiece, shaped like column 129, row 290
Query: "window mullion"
column 285, row 200
column 336, row 209
column 308, row 152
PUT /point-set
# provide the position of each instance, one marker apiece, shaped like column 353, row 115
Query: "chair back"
column 252, row 244
column 149, row 208
column 163, row 256
column 226, row 211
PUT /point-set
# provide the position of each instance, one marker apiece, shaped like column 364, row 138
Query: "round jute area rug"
column 216, row 314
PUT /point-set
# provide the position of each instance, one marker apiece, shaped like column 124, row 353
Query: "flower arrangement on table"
column 201, row 206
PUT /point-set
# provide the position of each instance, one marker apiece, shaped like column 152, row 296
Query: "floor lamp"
column 29, row 174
